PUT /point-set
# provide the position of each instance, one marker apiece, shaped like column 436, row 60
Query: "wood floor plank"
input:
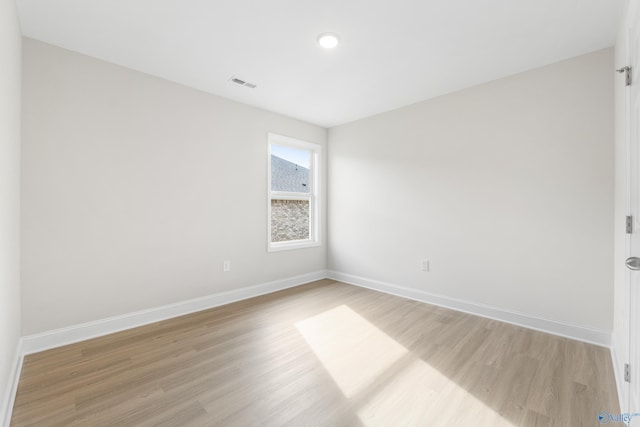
column 322, row 354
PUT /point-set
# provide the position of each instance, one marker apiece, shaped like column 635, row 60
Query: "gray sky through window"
column 294, row 155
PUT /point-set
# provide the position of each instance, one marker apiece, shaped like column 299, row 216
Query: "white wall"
column 507, row 188
column 135, row 190
column 128, row 182
column 10, row 86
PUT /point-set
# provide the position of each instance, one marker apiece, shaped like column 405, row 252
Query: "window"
column 293, row 193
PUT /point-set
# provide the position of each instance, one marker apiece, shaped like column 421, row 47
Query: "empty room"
column 339, row 213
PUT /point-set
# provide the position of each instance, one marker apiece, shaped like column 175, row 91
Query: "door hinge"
column 627, row 373
column 627, row 74
column 629, row 224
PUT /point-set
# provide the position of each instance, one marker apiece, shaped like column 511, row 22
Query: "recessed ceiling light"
column 328, row 40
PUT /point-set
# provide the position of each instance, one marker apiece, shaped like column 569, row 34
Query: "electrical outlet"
column 226, row 266
column 425, row 264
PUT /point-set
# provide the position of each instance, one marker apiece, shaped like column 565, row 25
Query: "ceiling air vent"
column 242, row 82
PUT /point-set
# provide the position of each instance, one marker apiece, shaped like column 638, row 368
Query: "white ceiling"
column 392, row 53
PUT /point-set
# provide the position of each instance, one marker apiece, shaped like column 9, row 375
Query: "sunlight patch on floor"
column 388, row 384
column 353, row 351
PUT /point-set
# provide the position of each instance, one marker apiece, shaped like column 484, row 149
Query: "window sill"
column 287, row 246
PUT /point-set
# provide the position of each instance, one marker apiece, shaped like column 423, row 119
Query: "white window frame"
column 312, row 196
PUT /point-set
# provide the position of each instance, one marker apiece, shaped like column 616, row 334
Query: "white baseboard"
column 72, row 334
column 580, row 333
column 12, row 387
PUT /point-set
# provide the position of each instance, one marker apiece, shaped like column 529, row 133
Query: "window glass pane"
column 290, row 169
column 289, row 220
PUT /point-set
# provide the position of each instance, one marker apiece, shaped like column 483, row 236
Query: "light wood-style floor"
column 324, row 354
